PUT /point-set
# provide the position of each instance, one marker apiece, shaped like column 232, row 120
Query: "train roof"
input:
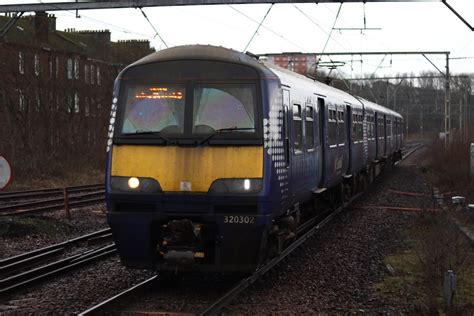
column 205, row 52
column 376, row 107
column 265, row 69
column 292, row 78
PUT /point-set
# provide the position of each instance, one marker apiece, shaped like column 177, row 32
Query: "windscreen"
column 154, row 108
column 224, row 107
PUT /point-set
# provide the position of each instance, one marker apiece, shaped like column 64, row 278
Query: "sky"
column 307, row 28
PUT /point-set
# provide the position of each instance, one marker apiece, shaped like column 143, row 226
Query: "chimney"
column 41, row 26
column 51, row 22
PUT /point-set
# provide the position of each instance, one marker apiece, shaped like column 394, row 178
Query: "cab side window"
column 297, row 128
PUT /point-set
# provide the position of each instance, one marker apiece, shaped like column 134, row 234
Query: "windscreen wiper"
column 154, row 133
column 228, row 129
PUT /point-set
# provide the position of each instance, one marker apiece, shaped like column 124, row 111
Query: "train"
column 215, row 157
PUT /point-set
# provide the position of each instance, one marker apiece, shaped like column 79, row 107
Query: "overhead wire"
column 329, row 34
column 380, row 64
column 118, row 28
column 370, row 38
column 315, row 23
column 122, row 29
column 151, row 24
column 267, row 28
column 256, row 31
column 334, row 24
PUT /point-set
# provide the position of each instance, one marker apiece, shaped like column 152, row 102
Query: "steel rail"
column 222, row 301
column 22, row 280
column 17, row 199
column 49, row 201
column 225, row 299
column 107, row 305
column 24, row 256
column 409, row 150
column 306, row 231
column 49, row 190
column 55, row 206
column 29, row 262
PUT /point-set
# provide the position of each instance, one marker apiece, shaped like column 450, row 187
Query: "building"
column 56, row 91
column 301, row 63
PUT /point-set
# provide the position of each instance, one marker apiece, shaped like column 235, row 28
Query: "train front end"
column 186, row 163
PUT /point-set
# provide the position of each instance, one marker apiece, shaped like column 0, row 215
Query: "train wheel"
column 372, row 173
column 365, row 182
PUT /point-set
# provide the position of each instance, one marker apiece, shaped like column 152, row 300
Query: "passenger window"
column 309, row 127
column 380, row 127
column 341, row 128
column 371, row 127
column 332, row 127
column 355, row 119
column 297, row 128
column 361, row 128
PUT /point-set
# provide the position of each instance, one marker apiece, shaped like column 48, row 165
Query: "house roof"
column 93, row 44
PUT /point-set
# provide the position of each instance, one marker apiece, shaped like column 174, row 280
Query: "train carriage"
column 215, row 158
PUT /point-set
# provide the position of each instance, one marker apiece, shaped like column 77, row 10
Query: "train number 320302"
column 230, row 219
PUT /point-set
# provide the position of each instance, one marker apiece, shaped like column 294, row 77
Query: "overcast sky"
column 424, row 26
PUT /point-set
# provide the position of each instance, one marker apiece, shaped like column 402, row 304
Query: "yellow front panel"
column 171, row 165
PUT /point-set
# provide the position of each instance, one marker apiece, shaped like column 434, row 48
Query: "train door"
column 286, row 133
column 297, row 179
column 350, row 136
column 377, row 136
column 322, row 139
column 395, row 133
column 385, row 135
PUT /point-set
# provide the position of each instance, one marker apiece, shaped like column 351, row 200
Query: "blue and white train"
column 215, row 158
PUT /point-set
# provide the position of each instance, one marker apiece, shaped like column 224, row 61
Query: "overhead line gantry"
column 114, row 4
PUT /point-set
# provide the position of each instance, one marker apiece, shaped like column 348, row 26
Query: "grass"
column 449, row 170
column 433, row 246
column 402, row 287
column 58, row 179
column 23, row 226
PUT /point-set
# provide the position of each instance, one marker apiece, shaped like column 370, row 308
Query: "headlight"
column 135, row 184
column 236, row 186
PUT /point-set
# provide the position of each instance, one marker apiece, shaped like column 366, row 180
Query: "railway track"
column 32, row 201
column 24, row 270
column 39, row 193
column 410, row 149
column 307, row 230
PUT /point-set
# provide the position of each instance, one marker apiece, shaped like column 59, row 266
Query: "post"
column 421, row 123
column 472, row 162
column 447, row 107
column 66, row 203
column 461, row 123
column 449, row 288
